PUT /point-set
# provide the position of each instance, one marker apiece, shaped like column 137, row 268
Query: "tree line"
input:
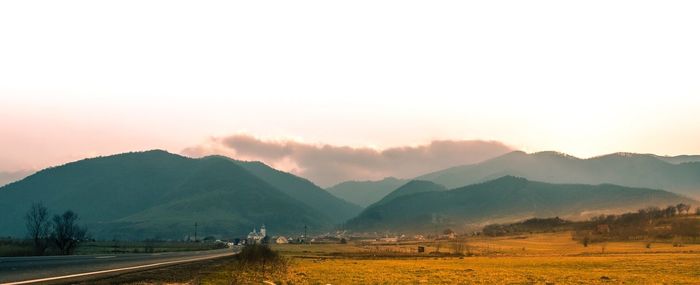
column 60, row 231
column 648, row 223
column 534, row 225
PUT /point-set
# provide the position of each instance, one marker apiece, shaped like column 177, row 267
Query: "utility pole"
column 305, row 236
column 195, row 231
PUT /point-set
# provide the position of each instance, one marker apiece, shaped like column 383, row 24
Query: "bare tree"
column 67, row 235
column 38, row 227
column 670, row 211
column 683, row 208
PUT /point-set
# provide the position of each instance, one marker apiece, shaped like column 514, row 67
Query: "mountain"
column 412, row 187
column 7, row 177
column 679, row 158
column 158, row 194
column 628, row 169
column 315, row 197
column 505, row 199
column 365, row 193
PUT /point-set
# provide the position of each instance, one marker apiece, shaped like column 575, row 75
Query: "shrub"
column 256, row 263
column 256, row 253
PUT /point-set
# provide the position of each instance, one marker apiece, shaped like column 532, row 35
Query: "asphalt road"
column 43, row 269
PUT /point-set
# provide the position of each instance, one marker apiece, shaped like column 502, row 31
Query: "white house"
column 257, row 237
column 281, row 239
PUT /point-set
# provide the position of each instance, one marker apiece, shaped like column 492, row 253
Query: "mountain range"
column 410, row 188
column 158, row 194
column 365, row 193
column 504, row 199
column 679, row 174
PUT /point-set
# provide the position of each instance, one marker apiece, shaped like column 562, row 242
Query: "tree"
column 67, row 234
column 38, row 227
column 670, row 211
column 585, row 241
column 683, row 208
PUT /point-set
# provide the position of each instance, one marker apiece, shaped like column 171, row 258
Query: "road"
column 38, row 269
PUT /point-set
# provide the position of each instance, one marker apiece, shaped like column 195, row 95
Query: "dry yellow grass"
column 628, row 269
column 534, row 259
column 563, row 244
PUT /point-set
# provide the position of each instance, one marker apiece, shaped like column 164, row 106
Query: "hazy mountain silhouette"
column 634, row 170
column 365, row 193
column 679, row 158
column 412, row 187
column 504, row 199
column 307, row 192
column 7, row 177
column 158, row 194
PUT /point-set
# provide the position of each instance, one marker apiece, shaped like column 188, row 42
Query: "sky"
column 86, row 78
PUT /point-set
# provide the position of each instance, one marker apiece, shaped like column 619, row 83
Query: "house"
column 448, row 234
column 281, row 240
column 389, row 239
column 256, row 237
column 603, row 229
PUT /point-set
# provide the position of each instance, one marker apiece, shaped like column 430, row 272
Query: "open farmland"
column 552, row 258
column 630, row 269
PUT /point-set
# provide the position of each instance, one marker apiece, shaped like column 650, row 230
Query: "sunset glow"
column 87, row 78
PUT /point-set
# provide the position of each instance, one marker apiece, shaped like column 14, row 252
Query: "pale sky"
column 86, row 78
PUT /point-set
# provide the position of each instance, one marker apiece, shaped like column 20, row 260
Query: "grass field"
column 630, row 269
column 529, row 259
column 99, row 247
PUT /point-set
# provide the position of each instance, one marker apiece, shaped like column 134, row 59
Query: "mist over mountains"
column 365, row 193
column 504, row 199
column 678, row 174
column 410, row 188
column 156, row 194
column 328, row 165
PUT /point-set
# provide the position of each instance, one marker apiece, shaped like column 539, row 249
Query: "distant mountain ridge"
column 410, row 188
column 678, row 174
column 504, row 199
column 159, row 194
column 316, row 197
column 7, row 177
column 365, row 193
column 678, row 159
column 156, row 194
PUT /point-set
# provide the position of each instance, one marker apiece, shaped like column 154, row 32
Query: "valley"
column 494, row 229
column 546, row 258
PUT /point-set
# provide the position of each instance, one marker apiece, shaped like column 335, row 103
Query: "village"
column 260, row 236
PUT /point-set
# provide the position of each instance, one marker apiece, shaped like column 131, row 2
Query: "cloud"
column 327, row 165
column 7, row 177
